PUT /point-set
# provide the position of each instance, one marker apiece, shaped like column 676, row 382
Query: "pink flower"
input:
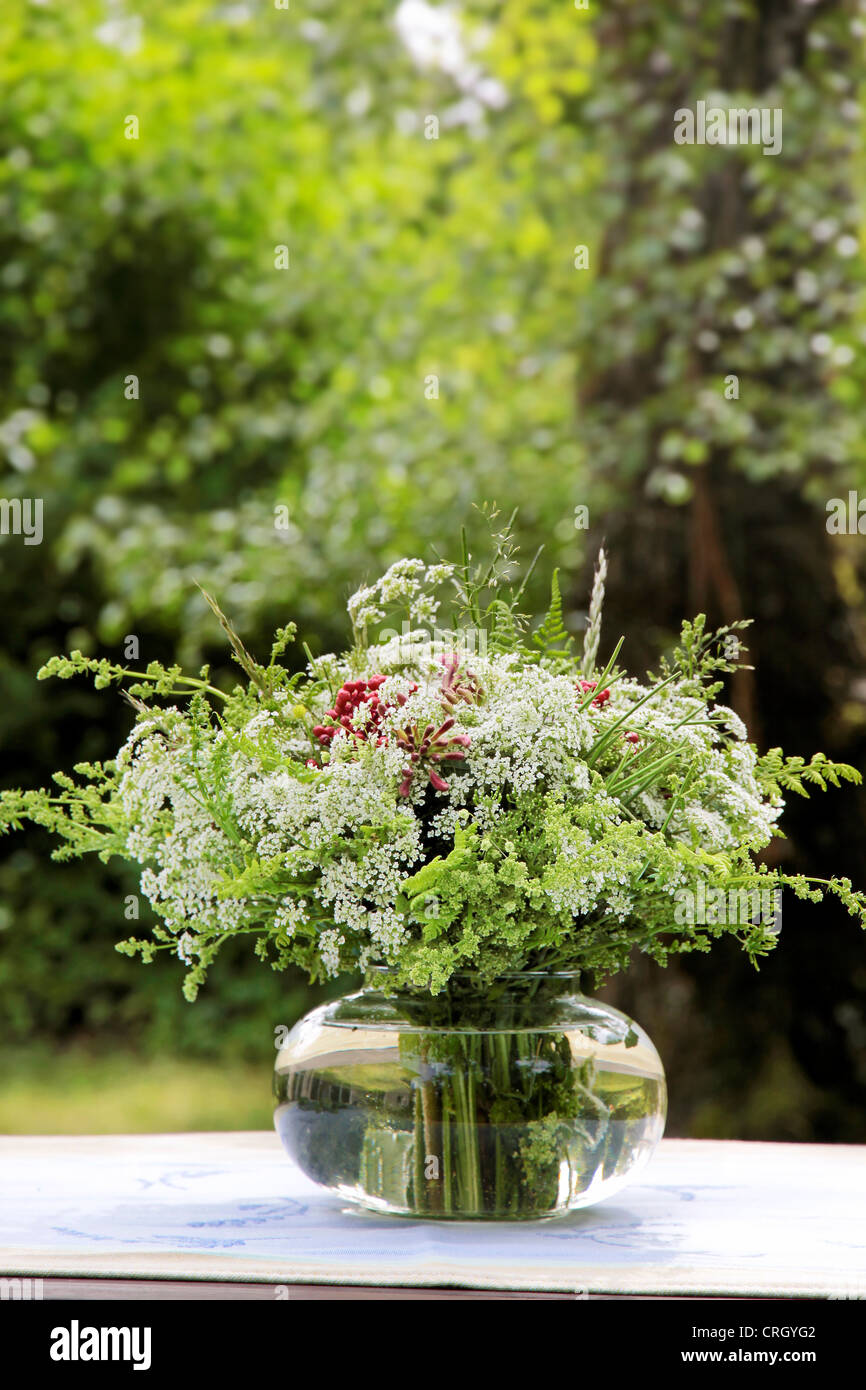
column 456, row 688
column 601, row 698
column 430, row 746
column 351, row 696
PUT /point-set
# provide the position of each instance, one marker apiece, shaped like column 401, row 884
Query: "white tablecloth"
column 704, row 1217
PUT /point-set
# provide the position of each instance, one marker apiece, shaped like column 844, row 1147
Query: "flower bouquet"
column 481, row 820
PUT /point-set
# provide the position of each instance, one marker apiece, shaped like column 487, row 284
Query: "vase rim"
column 504, row 975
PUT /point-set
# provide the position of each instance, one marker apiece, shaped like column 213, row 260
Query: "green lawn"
column 77, row 1092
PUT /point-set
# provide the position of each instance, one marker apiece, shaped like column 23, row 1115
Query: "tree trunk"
column 705, row 397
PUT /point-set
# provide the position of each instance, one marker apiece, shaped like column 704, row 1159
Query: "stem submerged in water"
column 430, row 1118
column 477, row 1095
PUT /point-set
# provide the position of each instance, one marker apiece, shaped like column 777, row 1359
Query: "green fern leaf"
column 552, row 638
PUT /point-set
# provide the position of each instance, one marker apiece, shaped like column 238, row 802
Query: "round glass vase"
column 520, row 1100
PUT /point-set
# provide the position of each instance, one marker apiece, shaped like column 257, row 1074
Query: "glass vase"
column 521, row 1099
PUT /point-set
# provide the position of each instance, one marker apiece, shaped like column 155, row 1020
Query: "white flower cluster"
column 724, row 806
column 406, row 585
column 267, row 821
column 171, row 831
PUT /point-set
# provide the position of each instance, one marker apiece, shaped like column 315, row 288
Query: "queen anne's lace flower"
column 427, row 804
column 505, row 731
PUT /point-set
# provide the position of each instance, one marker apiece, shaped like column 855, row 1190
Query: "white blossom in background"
column 435, row 39
column 120, row 30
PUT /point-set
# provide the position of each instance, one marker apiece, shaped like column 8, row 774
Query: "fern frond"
column 776, row 773
column 504, row 632
column 552, row 638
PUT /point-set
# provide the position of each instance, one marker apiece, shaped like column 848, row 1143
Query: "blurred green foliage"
column 732, row 267
column 259, row 388
column 304, row 387
column 82, row 1091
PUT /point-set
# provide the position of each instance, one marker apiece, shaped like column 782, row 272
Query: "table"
column 216, row 1211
